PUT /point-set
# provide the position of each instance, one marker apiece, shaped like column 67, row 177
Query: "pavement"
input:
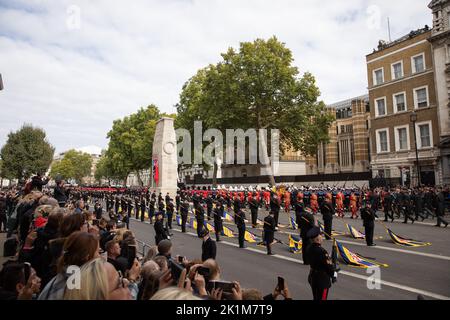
column 410, row 271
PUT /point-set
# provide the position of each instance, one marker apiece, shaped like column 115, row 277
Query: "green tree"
column 258, row 87
column 131, row 142
column 26, row 152
column 74, row 165
column 105, row 170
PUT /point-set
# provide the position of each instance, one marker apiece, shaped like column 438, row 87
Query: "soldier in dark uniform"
column 167, row 199
column 209, row 206
column 129, row 207
column 209, row 248
column 184, row 210
column 327, row 211
column 275, row 205
column 178, row 201
column 98, row 210
column 306, row 223
column 142, row 206
column 136, row 207
column 237, row 204
column 417, row 199
column 269, row 232
column 116, row 204
column 322, row 270
column 151, row 207
column 439, row 205
column 387, row 206
column 299, row 208
column 218, row 214
column 368, row 216
column 200, row 217
column 170, row 211
column 160, row 231
column 240, row 222
column 407, row 208
column 254, row 205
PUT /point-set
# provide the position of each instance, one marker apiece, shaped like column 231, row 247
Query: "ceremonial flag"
column 406, row 242
column 227, row 216
column 295, row 244
column 178, row 219
column 292, row 222
column 209, row 226
column 193, row 223
column 354, row 259
column 227, row 232
column 250, row 237
column 155, row 170
column 355, row 233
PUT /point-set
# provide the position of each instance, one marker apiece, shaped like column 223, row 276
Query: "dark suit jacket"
column 209, row 249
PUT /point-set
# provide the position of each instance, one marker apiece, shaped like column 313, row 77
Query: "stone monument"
column 164, row 158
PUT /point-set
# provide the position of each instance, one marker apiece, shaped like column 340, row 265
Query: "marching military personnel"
column 184, row 210
column 240, row 222
column 254, row 205
column 269, row 232
column 151, row 207
column 143, row 206
column 209, row 206
column 178, row 201
column 387, row 205
column 170, row 211
column 439, row 205
column 136, row 207
column 322, row 270
column 327, row 211
column 275, row 205
column 199, row 216
column 218, row 214
column 368, row 215
column 306, row 223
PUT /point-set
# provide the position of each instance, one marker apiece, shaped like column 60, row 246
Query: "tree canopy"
column 74, row 165
column 26, row 152
column 257, row 87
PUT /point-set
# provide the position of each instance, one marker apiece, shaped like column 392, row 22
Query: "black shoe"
column 437, row 225
column 405, row 222
column 444, row 227
column 270, row 253
column 242, row 247
column 385, row 220
column 371, row 245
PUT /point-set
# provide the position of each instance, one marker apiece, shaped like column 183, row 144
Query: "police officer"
column 269, row 231
column 184, row 210
column 217, row 215
column 240, row 222
column 368, row 216
column 322, row 270
column 327, row 211
column 306, row 223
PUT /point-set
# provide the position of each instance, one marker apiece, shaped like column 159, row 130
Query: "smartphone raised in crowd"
column 280, row 283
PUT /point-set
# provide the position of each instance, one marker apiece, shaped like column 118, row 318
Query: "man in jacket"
column 209, row 248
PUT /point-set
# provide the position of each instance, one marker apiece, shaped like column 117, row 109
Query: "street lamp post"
column 413, row 119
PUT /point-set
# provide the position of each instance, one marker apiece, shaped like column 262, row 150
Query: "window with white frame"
column 399, row 102
column 418, row 63
column 397, row 70
column 380, row 107
column 401, row 138
column 382, row 136
column 421, row 97
column 424, row 132
column 378, row 76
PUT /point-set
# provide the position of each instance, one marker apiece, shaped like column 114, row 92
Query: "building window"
column 367, row 107
column 397, row 70
column 401, row 138
column 380, row 107
column 424, row 138
column 418, row 63
column 378, row 76
column 421, row 97
column 399, row 102
column 382, row 136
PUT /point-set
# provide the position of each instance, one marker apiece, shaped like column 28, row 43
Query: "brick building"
column 402, row 99
column 348, row 149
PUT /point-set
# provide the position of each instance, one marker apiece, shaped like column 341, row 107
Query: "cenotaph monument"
column 164, row 158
